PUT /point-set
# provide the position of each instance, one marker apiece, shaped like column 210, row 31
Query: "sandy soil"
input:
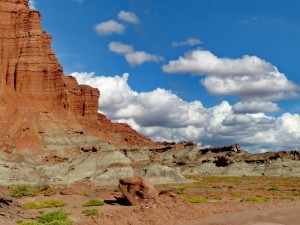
column 226, row 201
column 277, row 216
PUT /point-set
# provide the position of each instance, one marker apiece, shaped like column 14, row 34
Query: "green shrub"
column 216, row 196
column 54, row 218
column 236, row 195
column 21, row 190
column 258, row 199
column 49, row 192
column 47, row 203
column 91, row 212
column 28, row 223
column 182, row 191
column 93, row 202
column 196, row 199
column 274, row 188
column 58, row 222
column 85, row 194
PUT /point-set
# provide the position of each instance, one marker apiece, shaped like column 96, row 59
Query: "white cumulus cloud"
column 162, row 115
column 128, row 17
column 255, row 107
column 204, row 62
column 248, row 77
column 109, row 27
column 188, row 42
column 131, row 56
column 120, row 48
column 140, row 57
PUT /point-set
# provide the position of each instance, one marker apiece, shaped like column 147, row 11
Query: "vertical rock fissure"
column 83, row 108
column 6, row 77
column 15, row 77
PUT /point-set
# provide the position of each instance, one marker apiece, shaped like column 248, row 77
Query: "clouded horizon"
column 181, row 75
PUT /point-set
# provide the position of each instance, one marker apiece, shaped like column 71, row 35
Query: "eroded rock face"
column 80, row 99
column 41, row 110
column 229, row 162
column 51, row 132
column 29, row 66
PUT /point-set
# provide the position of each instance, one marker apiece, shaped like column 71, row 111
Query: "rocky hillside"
column 50, row 128
column 51, row 131
column 41, row 110
column 166, row 164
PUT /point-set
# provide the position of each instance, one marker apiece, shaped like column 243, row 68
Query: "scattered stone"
column 138, row 190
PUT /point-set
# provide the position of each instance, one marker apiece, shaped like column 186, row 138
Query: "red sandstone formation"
column 34, row 93
column 30, row 69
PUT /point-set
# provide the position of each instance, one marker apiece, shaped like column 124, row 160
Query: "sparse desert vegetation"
column 46, row 203
column 249, row 189
column 198, row 194
column 91, row 212
column 195, row 199
column 93, row 202
column 22, row 190
column 51, row 218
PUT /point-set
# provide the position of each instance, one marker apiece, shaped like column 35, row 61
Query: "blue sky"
column 216, row 72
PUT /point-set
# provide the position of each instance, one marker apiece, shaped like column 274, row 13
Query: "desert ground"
column 204, row 200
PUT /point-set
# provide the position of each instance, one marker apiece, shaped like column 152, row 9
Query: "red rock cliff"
column 29, row 66
column 41, row 110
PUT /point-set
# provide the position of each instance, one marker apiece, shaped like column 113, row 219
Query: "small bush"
column 196, row 199
column 49, row 192
column 236, row 195
column 54, row 218
column 21, row 190
column 91, row 212
column 216, row 196
column 182, row 191
column 93, row 202
column 58, row 222
column 28, row 223
column 256, row 199
column 47, row 203
column 274, row 188
column 85, row 194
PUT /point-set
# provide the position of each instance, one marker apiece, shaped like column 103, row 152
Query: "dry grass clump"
column 195, row 199
column 93, row 202
column 47, row 203
column 21, row 190
column 91, row 212
column 52, row 218
column 258, row 199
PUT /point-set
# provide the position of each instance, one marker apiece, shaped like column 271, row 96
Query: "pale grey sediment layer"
column 166, row 165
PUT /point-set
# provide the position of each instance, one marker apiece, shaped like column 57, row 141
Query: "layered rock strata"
column 51, row 132
column 30, row 69
column 40, row 108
